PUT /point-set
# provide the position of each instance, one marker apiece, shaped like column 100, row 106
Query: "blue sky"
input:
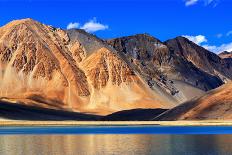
column 206, row 22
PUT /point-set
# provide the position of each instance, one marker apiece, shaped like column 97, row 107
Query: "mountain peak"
column 139, row 36
column 144, row 35
column 181, row 39
column 28, row 22
column 21, row 21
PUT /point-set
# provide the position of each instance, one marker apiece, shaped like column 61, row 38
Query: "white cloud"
column 93, row 26
column 229, row 33
column 190, row 2
column 196, row 39
column 90, row 26
column 218, row 49
column 73, row 25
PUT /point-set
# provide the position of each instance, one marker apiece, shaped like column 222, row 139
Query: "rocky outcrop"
column 103, row 66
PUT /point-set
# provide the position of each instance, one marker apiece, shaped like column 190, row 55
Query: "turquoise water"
column 116, row 140
column 145, row 129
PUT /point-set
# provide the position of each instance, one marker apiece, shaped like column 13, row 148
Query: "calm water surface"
column 38, row 142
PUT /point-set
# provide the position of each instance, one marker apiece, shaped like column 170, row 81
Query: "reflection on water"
column 115, row 144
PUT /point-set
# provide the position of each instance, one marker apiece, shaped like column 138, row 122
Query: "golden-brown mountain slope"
column 107, row 74
column 216, row 104
column 35, row 62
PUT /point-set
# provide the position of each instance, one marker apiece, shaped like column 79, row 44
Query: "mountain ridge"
column 76, row 71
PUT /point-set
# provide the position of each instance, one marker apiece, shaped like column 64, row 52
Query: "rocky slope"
column 216, row 104
column 162, row 65
column 72, row 70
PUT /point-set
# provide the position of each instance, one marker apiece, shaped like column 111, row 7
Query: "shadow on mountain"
column 134, row 115
column 14, row 111
column 24, row 112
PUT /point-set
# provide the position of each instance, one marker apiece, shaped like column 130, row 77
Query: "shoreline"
column 11, row 123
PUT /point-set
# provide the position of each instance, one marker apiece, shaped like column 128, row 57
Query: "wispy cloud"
column 90, row 26
column 213, row 3
column 219, row 35
column 203, row 41
column 190, row 2
column 218, row 49
column 229, row 33
column 73, row 25
column 199, row 39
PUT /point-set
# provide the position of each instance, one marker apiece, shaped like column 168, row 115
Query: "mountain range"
column 75, row 71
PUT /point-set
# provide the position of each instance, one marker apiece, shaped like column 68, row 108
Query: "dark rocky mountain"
column 177, row 66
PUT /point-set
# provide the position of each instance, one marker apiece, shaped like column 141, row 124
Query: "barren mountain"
column 73, row 70
column 216, row 104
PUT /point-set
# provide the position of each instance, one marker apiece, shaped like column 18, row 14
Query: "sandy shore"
column 115, row 123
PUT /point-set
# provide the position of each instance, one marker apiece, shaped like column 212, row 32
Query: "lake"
column 115, row 140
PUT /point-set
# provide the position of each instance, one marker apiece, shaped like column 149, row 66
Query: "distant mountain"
column 73, row 70
column 216, row 104
column 203, row 59
column 225, row 54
